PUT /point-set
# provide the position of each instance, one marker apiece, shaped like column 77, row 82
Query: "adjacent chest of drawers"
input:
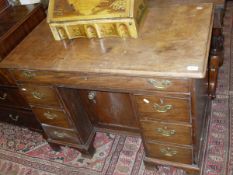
column 13, row 106
column 15, row 23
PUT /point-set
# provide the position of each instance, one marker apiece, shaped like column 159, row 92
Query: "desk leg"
column 217, row 42
column 89, row 152
column 81, row 123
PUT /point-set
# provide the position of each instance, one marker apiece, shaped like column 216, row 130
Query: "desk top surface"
column 173, row 41
column 219, row 3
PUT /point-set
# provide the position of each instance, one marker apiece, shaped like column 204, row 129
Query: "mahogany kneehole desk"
column 155, row 85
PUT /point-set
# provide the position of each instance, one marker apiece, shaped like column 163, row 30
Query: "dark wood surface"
column 169, row 152
column 15, row 23
column 40, row 95
column 213, row 75
column 6, row 79
column 19, row 117
column 104, row 81
column 11, row 16
column 61, row 134
column 167, row 132
column 52, row 117
column 78, row 115
column 112, row 109
column 3, row 5
column 149, row 106
column 10, row 96
column 199, row 114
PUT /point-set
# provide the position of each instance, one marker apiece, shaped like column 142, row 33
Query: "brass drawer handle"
column 3, row 97
column 28, row 74
column 37, row 95
column 14, row 118
column 160, row 84
column 59, row 134
column 162, row 109
column 50, row 115
column 165, row 132
column 169, row 152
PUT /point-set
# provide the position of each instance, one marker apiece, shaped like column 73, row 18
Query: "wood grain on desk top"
column 219, row 3
column 173, row 42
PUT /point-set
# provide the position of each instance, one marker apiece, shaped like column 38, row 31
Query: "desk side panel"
column 199, row 114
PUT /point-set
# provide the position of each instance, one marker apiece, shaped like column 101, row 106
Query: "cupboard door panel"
column 109, row 108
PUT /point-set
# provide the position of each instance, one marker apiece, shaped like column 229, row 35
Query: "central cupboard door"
column 114, row 110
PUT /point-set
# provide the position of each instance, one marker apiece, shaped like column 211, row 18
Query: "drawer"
column 40, row 95
column 51, row 117
column 61, row 134
column 103, row 81
column 11, row 96
column 169, row 153
column 163, row 108
column 19, row 117
column 166, row 132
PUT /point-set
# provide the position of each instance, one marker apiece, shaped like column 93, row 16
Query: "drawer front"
column 19, row 117
column 51, row 117
column 169, row 153
column 11, row 97
column 103, row 81
column 163, row 108
column 61, row 134
column 40, row 95
column 165, row 132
